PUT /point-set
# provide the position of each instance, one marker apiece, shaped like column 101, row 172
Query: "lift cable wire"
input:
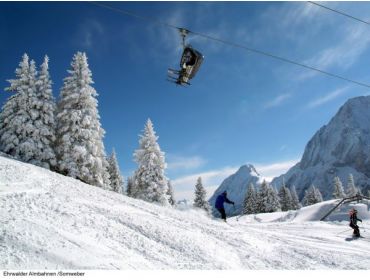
column 236, row 45
column 339, row 12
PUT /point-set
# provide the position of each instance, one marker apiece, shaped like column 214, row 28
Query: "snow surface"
column 49, row 221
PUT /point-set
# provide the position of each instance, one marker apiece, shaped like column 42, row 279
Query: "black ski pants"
column 356, row 229
column 222, row 212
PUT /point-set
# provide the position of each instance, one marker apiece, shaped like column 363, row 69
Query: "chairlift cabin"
column 190, row 62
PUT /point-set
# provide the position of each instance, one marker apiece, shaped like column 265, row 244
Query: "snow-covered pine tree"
column 262, row 192
column 130, row 188
column 43, row 111
column 312, row 196
column 8, row 138
column 272, row 203
column 267, row 199
column 13, row 115
column 79, row 146
column 115, row 177
column 22, row 131
column 318, row 195
column 170, row 193
column 295, row 201
column 338, row 188
column 352, row 190
column 149, row 179
column 200, row 197
column 250, row 200
column 285, row 198
column 309, row 196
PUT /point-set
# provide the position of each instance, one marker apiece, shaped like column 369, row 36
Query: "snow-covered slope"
column 236, row 187
column 49, row 221
column 337, row 149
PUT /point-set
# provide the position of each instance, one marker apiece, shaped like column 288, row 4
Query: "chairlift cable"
column 338, row 12
column 236, row 45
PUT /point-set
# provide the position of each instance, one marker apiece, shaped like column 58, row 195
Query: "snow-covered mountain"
column 49, row 221
column 337, row 149
column 236, row 186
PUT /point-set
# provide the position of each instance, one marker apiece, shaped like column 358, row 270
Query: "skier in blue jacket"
column 220, row 200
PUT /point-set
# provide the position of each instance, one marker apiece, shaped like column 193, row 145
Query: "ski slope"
column 49, row 221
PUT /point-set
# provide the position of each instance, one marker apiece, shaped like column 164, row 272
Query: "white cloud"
column 330, row 96
column 89, row 33
column 269, row 171
column 184, row 186
column 189, row 193
column 277, row 101
column 343, row 54
column 179, row 162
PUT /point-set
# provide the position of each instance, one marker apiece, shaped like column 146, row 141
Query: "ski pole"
column 344, row 231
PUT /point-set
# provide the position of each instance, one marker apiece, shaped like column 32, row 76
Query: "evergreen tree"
column 352, row 190
column 260, row 197
column 8, row 138
column 295, row 201
column 250, row 200
column 27, row 118
column 43, row 110
column 338, row 188
column 312, row 196
column 170, row 194
column 318, row 195
column 268, row 200
column 79, row 145
column 200, row 197
column 285, row 198
column 13, row 115
column 115, row 177
column 150, row 181
column 130, row 189
column 272, row 202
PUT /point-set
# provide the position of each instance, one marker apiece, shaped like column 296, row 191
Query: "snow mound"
column 49, row 221
column 313, row 213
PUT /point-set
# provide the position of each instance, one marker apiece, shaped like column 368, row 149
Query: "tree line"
column 267, row 199
column 66, row 136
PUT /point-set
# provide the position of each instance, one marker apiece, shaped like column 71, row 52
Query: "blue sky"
column 241, row 107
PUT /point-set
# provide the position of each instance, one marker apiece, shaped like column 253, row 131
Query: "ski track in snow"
column 49, row 221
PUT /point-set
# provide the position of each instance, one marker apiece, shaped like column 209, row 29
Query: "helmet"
column 224, row 193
